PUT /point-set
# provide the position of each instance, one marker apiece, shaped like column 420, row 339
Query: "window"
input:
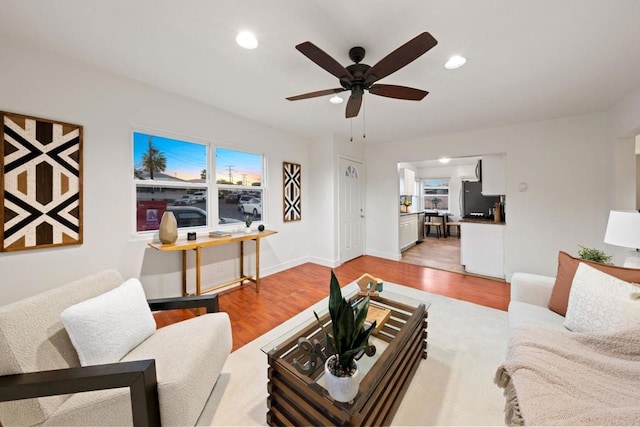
column 436, row 193
column 169, row 175
column 240, row 185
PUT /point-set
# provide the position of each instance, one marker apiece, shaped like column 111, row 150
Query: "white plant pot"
column 342, row 389
column 247, row 230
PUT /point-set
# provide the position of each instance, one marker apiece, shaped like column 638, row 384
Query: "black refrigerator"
column 473, row 202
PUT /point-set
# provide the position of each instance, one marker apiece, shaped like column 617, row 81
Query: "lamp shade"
column 623, row 229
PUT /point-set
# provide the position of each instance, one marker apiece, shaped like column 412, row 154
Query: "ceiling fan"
column 359, row 77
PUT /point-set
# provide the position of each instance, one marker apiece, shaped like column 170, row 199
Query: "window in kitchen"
column 240, row 185
column 435, row 193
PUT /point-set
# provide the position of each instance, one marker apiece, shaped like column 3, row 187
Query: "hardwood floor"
column 283, row 295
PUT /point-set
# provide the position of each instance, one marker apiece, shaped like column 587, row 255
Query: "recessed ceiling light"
column 454, row 62
column 335, row 99
column 247, row 40
column 444, row 160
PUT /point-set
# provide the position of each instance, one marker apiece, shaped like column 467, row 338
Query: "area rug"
column 453, row 386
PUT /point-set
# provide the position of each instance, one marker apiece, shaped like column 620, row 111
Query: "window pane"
column 234, row 206
column 238, row 168
column 440, row 202
column 166, row 159
column 189, row 205
column 436, row 194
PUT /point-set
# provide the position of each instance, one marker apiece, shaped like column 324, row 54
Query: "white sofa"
column 188, row 355
column 530, row 295
column 554, row 376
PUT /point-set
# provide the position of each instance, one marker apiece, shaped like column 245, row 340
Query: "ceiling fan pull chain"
column 351, row 125
column 364, row 117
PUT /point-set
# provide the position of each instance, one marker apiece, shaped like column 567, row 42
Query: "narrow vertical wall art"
column 41, row 183
column 291, row 177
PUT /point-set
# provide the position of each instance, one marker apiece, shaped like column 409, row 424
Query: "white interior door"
column 351, row 209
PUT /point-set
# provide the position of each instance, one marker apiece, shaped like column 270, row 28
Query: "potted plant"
column 346, row 338
column 595, row 255
column 248, row 221
column 435, row 202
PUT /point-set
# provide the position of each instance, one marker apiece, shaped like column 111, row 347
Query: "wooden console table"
column 185, row 245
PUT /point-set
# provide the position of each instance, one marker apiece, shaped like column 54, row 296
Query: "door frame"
column 348, row 158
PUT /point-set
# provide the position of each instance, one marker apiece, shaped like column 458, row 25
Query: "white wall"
column 44, row 85
column 564, row 163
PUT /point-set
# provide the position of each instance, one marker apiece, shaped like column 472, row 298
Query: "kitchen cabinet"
column 494, row 177
column 408, row 231
column 482, row 248
column 407, row 182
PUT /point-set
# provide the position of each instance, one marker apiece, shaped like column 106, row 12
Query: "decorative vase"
column 247, row 230
column 168, row 231
column 342, row 389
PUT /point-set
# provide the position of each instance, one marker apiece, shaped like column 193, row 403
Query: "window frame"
column 216, row 187
column 425, row 187
column 210, row 184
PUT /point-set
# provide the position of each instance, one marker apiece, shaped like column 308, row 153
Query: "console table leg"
column 198, row 270
column 242, row 261
column 257, row 265
column 184, row 273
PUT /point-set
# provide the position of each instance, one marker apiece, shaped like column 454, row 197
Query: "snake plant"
column 348, row 336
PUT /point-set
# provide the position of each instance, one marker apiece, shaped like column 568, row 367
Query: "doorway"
column 440, row 187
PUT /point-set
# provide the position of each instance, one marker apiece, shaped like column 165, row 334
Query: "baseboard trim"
column 385, row 255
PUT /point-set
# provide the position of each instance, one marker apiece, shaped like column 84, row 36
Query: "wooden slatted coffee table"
column 299, row 398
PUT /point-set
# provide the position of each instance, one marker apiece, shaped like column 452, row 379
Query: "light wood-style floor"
column 443, row 254
column 283, row 295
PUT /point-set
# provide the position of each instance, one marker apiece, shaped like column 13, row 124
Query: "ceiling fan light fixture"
column 336, row 100
column 247, row 40
column 456, row 61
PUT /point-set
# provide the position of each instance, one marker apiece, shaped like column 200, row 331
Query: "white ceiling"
column 528, row 60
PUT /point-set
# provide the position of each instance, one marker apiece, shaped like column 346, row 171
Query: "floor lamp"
column 623, row 229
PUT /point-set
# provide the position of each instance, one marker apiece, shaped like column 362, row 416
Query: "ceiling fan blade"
column 399, row 92
column 408, row 52
column 315, row 94
column 353, row 105
column 323, row 59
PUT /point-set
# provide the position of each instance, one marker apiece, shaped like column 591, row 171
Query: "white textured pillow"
column 600, row 302
column 105, row 328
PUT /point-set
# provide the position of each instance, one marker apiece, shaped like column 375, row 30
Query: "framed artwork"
column 41, row 183
column 291, row 176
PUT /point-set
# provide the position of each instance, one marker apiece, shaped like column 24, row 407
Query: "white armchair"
column 166, row 379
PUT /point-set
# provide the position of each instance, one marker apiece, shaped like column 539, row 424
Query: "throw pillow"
column 105, row 328
column 567, row 266
column 599, row 302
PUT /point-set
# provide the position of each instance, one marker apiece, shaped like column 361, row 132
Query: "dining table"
column 440, row 215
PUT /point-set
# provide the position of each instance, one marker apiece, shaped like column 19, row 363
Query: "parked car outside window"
column 242, row 200
column 189, row 216
column 184, row 200
column 253, row 207
column 199, row 196
column 232, row 198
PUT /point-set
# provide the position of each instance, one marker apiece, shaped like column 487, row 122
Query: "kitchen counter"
column 481, row 221
column 482, row 246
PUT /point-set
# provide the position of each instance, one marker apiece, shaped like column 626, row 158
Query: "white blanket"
column 568, row 378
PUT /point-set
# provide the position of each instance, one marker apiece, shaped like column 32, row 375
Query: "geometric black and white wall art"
column 41, row 183
column 292, row 189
